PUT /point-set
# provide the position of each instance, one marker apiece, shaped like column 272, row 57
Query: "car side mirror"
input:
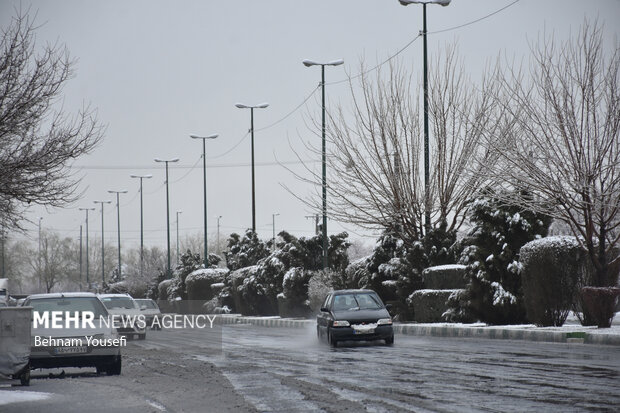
column 324, row 310
column 388, row 307
column 143, row 307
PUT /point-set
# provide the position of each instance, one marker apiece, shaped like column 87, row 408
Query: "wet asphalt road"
column 288, row 370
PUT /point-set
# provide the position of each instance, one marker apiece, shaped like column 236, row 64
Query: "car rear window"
column 147, row 303
column 118, row 302
column 71, row 304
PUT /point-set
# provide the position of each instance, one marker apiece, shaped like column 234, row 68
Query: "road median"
column 570, row 334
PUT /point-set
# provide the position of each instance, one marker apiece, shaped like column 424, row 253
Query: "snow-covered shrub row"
column 279, row 279
column 493, row 272
column 394, row 270
column 553, row 269
column 428, row 306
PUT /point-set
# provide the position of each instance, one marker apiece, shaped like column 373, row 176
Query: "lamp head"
column 440, row 2
column 215, row 135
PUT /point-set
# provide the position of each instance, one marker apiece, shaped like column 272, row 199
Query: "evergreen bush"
column 552, row 269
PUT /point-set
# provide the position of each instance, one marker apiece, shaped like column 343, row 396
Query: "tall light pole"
column 309, row 63
column 204, row 183
column 39, row 257
column 427, row 208
column 102, row 242
column 166, row 161
column 178, row 212
column 118, row 229
column 273, row 224
column 141, row 221
column 3, row 239
column 87, row 274
column 261, row 106
column 218, row 234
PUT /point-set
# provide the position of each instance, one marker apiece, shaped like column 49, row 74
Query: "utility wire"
column 474, row 21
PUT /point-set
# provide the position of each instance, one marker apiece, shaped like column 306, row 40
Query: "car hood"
column 361, row 315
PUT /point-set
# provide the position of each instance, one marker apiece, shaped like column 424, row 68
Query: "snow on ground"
column 20, row 396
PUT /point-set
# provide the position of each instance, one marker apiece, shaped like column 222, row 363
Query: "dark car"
column 354, row 315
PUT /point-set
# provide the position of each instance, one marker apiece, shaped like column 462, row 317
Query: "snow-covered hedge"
column 293, row 301
column 552, row 269
column 199, row 282
column 428, row 306
column 443, row 277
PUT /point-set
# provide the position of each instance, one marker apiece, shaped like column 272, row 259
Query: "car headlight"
column 341, row 323
column 384, row 321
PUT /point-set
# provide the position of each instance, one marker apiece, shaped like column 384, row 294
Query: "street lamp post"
column 87, row 274
column 427, row 209
column 309, row 63
column 273, row 224
column 204, row 181
column 118, row 230
column 178, row 212
column 218, row 234
column 166, row 161
column 261, row 106
column 141, row 221
column 102, row 242
column 39, row 257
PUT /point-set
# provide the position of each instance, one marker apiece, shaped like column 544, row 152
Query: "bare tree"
column 37, row 143
column 560, row 141
column 376, row 152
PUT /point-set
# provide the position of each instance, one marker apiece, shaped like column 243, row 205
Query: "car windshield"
column 359, row 301
column 118, row 302
column 71, row 304
column 147, row 303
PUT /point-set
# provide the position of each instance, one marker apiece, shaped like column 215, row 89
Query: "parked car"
column 354, row 315
column 131, row 321
column 150, row 309
column 69, row 346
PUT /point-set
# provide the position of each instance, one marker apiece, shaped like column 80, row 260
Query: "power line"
column 474, row 21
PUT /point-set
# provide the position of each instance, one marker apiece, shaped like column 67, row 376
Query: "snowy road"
column 287, row 370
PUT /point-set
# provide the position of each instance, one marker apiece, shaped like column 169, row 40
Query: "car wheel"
column 389, row 341
column 114, row 368
column 331, row 340
column 24, row 378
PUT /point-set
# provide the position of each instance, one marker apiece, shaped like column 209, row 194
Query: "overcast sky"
column 158, row 71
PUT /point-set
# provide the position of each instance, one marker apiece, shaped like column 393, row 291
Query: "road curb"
column 529, row 333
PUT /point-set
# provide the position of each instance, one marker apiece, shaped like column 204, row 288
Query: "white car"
column 61, row 336
column 151, row 310
column 130, row 320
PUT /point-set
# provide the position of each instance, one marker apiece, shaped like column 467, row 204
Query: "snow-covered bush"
column 444, row 277
column 246, row 251
column 199, row 283
column 494, row 294
column 429, row 306
column 553, row 268
column 319, row 285
column 293, row 300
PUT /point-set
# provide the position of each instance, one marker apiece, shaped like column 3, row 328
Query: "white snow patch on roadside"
column 156, row 405
column 21, row 396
